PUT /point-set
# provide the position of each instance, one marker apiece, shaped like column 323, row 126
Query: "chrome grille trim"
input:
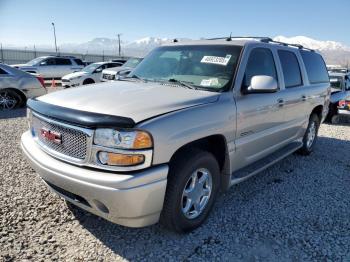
column 76, row 141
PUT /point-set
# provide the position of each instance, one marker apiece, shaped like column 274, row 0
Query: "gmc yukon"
column 191, row 120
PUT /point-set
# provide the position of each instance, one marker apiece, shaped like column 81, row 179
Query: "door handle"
column 280, row 102
column 303, row 98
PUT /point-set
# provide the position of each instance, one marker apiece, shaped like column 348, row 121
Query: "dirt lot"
column 296, row 210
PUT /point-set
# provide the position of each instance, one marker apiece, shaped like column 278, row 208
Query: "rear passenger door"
column 63, row 67
column 295, row 93
column 259, row 115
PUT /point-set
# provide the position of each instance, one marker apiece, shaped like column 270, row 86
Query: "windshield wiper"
column 135, row 77
column 173, row 80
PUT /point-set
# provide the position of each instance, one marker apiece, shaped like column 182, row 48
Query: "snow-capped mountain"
column 313, row 44
column 333, row 52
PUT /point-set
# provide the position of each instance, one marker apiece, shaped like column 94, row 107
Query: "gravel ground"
column 295, row 210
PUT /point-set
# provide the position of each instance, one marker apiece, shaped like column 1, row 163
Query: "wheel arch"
column 318, row 110
column 88, row 81
column 215, row 144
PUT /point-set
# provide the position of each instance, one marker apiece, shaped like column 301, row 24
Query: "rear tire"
column 9, row 99
column 310, row 137
column 193, row 184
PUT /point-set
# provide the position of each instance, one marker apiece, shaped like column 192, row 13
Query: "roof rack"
column 229, row 38
column 263, row 39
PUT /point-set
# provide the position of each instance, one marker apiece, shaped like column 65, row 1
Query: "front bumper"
column 69, row 83
column 133, row 200
column 342, row 111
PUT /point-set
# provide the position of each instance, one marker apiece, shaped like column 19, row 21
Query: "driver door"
column 47, row 68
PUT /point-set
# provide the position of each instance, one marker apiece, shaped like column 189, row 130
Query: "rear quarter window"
column 78, row 62
column 315, row 67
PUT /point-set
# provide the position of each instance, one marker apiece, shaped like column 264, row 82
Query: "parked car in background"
column 192, row 119
column 88, row 75
column 52, row 67
column 340, row 96
column 112, row 74
column 17, row 86
column 119, row 60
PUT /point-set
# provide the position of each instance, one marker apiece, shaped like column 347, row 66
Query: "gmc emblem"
column 51, row 136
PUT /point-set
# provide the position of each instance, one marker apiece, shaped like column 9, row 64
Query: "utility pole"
column 54, row 34
column 34, row 52
column 2, row 53
column 119, row 47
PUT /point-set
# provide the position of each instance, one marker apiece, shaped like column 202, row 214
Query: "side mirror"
column 262, row 84
column 98, row 70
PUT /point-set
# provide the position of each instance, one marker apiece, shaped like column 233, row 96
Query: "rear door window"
column 315, row 67
column 111, row 65
column 63, row 61
column 290, row 68
column 260, row 62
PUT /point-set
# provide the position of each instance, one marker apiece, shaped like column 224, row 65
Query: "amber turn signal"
column 116, row 159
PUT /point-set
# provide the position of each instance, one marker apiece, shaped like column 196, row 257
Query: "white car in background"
column 52, row 67
column 88, row 75
column 112, row 74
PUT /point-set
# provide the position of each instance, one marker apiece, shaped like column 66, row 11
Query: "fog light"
column 116, row 159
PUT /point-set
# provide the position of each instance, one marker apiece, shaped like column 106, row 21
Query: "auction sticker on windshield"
column 216, row 60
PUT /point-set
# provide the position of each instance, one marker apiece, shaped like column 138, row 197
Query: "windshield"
column 35, row 61
column 336, row 82
column 90, row 68
column 132, row 62
column 201, row 66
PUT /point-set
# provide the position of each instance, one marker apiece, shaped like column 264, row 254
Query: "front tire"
column 193, row 184
column 310, row 137
column 88, row 81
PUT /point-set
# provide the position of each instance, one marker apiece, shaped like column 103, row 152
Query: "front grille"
column 108, row 76
column 73, row 141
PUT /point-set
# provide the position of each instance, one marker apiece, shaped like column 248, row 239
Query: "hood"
column 340, row 95
column 20, row 65
column 75, row 74
column 135, row 100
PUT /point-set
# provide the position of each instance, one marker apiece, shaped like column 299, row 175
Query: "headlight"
column 74, row 78
column 123, row 139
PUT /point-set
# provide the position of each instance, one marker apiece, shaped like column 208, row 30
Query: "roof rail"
column 294, row 45
column 263, row 39
column 229, row 38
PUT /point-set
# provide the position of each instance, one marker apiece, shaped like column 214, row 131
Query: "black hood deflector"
column 77, row 117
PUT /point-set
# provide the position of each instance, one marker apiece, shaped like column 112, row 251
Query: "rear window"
column 315, row 67
column 290, row 68
column 78, row 62
column 3, row 72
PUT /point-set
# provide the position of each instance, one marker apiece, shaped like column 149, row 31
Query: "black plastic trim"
column 77, row 117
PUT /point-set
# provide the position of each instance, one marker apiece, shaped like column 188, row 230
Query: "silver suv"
column 191, row 120
column 52, row 66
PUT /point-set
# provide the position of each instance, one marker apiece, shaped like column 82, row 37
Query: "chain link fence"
column 15, row 56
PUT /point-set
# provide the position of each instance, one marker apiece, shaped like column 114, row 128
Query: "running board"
column 255, row 168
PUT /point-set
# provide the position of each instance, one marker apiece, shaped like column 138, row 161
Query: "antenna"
column 229, row 38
